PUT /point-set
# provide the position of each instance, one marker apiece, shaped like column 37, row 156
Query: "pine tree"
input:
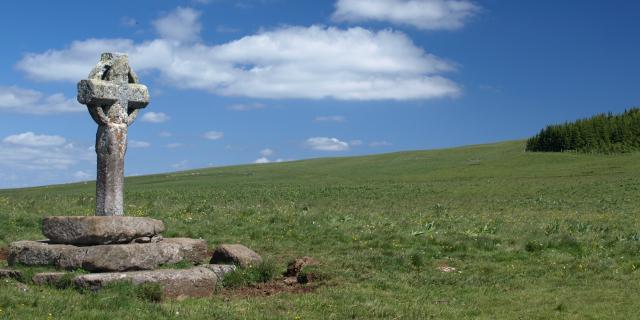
column 603, row 133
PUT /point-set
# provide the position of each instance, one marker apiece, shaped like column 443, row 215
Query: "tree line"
column 602, row 133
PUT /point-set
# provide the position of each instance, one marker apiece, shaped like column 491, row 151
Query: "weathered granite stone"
column 194, row 282
column 11, row 274
column 141, row 240
column 50, row 278
column 154, row 239
column 113, row 97
column 236, row 254
column 35, row 253
column 145, row 256
column 100, row 92
column 114, row 257
column 220, row 269
column 99, row 230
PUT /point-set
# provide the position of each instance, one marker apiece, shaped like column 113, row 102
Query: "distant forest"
column 603, row 133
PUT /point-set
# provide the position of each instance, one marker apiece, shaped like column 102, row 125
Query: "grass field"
column 530, row 235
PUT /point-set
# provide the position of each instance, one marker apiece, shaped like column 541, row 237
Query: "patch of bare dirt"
column 4, row 253
column 294, row 281
column 268, row 289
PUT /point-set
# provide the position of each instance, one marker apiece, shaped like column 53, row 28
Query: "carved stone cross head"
column 114, row 97
column 112, row 89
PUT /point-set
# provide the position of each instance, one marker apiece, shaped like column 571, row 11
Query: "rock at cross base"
column 10, row 274
column 236, row 254
column 220, row 269
column 50, row 278
column 113, row 97
column 194, row 282
column 111, row 257
column 99, row 230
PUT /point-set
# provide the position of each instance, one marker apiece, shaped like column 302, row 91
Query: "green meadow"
column 522, row 236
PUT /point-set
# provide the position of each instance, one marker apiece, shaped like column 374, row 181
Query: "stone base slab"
column 176, row 283
column 10, row 274
column 50, row 278
column 97, row 230
column 220, row 269
column 236, row 254
column 115, row 257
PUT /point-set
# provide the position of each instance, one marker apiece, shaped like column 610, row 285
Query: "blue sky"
column 236, row 82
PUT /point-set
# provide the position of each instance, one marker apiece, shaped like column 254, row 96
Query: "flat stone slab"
column 236, row 254
column 51, row 278
column 220, row 269
column 105, row 258
column 176, row 283
column 11, row 274
column 99, row 229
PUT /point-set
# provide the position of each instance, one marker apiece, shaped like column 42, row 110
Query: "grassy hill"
column 531, row 235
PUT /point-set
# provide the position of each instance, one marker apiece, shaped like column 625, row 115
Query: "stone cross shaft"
column 113, row 97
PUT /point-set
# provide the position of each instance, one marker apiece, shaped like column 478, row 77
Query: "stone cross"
column 113, row 96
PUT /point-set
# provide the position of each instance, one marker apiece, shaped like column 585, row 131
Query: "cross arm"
column 100, row 92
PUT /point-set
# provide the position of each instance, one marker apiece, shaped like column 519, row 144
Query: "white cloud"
column 213, row 135
column 180, row 165
column 139, row 144
column 266, row 152
column 81, row 175
column 330, row 119
column 33, row 158
column 155, row 117
column 355, row 143
column 73, row 63
column 174, row 145
column 262, row 160
column 31, row 139
column 381, row 143
column 245, row 106
column 319, row 62
column 326, row 144
column 165, row 134
column 19, row 100
column 180, row 25
column 29, row 159
column 422, row 14
column 42, row 154
column 313, row 62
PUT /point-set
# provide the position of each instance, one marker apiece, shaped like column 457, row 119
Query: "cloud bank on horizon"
column 290, row 62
